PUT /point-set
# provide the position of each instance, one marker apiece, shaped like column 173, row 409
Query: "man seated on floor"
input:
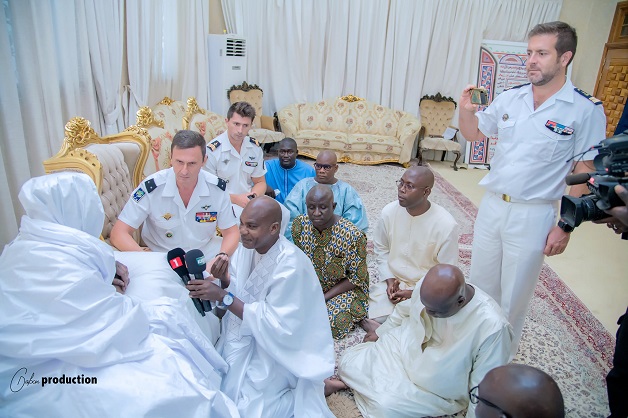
column 237, row 158
column 180, row 206
column 429, row 353
column 517, row 391
column 348, row 202
column 411, row 237
column 337, row 249
column 276, row 336
column 286, row 171
column 61, row 319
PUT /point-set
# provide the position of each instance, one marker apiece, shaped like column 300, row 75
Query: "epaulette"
column 150, row 185
column 517, row 87
column 222, row 184
column 213, row 145
column 593, row 100
column 253, row 140
column 217, row 181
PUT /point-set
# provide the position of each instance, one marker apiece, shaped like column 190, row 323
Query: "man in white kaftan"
column 62, row 320
column 277, row 338
column 430, row 352
column 412, row 235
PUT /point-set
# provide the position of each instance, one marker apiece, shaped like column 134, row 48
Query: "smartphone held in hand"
column 479, row 96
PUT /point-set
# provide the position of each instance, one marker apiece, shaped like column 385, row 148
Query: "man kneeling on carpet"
column 276, row 337
column 429, row 353
column 337, row 249
column 412, row 236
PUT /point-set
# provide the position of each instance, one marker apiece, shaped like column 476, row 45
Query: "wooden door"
column 612, row 83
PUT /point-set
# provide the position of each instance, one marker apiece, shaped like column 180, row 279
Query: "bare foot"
column 369, row 325
column 333, row 385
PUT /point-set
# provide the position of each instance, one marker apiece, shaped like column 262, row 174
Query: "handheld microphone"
column 195, row 262
column 579, row 178
column 176, row 259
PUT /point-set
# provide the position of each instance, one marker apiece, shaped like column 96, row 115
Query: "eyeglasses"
column 473, row 396
column 409, row 187
column 286, row 152
column 325, row 167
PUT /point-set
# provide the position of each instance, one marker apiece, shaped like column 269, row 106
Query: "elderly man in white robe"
column 431, row 351
column 412, row 235
column 72, row 345
column 276, row 337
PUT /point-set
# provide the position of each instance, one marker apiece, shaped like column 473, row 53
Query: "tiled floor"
column 594, row 266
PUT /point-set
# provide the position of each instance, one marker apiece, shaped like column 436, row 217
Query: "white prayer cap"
column 65, row 198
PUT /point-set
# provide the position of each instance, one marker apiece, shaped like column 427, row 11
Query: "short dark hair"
column 185, row 139
column 290, row 141
column 243, row 109
column 567, row 38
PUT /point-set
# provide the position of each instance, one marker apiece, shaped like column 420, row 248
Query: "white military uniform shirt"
column 168, row 223
column 535, row 147
column 236, row 168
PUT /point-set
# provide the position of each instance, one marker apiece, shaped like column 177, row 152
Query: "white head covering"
column 65, row 198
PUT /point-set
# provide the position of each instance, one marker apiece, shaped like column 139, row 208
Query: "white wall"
column 592, row 20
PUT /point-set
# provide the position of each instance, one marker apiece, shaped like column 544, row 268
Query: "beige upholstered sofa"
column 358, row 131
column 115, row 163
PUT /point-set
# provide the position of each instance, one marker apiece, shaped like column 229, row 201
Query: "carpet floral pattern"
column 560, row 334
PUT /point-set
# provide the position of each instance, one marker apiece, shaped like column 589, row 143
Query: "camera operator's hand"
column 557, row 241
column 619, row 219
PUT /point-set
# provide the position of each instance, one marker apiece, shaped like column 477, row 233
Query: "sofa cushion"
column 374, row 119
column 324, row 115
column 210, row 125
column 171, row 114
column 374, row 143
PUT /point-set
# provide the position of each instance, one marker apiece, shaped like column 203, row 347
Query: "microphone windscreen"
column 176, row 259
column 579, row 178
column 195, row 261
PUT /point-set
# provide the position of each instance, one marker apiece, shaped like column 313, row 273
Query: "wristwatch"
column 562, row 225
column 227, row 300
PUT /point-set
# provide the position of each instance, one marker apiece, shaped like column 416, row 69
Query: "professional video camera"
column 611, row 165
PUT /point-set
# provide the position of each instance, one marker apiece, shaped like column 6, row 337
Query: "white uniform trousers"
column 507, row 255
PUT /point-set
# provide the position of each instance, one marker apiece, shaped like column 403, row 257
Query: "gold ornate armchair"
column 264, row 127
column 115, row 163
column 162, row 122
column 207, row 123
column 436, row 114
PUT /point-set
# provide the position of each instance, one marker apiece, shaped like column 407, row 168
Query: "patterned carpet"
column 560, row 335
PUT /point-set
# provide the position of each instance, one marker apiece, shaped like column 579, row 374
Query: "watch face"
column 227, row 300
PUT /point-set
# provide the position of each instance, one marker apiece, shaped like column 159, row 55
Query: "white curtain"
column 167, row 53
column 104, row 20
column 388, row 51
column 46, row 80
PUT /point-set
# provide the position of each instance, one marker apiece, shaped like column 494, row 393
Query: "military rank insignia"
column 203, row 217
column 558, row 128
column 139, row 194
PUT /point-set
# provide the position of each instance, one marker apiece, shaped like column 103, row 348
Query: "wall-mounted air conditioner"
column 227, row 66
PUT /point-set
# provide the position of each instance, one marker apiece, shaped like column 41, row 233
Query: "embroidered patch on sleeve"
column 139, row 194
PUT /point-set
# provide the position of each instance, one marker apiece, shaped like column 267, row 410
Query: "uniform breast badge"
column 203, row 217
column 167, row 216
column 205, row 207
column 505, row 117
column 558, row 128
